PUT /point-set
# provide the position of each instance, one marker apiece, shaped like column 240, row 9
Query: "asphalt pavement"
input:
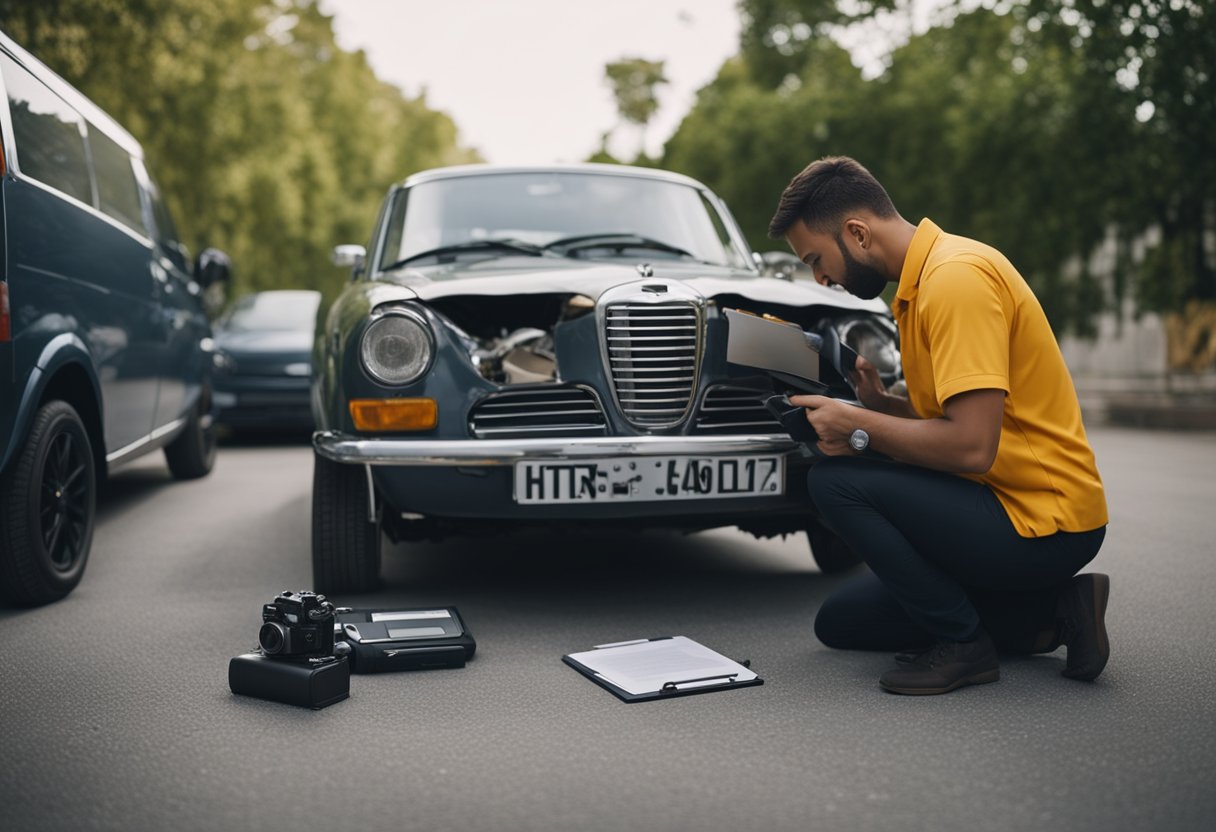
column 115, row 711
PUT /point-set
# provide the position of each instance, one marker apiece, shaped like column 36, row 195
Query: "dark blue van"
column 105, row 346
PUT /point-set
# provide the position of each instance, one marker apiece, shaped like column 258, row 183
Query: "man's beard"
column 860, row 279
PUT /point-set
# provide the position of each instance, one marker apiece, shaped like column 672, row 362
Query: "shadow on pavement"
column 591, row 575
column 126, row 487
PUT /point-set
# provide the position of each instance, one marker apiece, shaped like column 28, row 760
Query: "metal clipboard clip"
column 674, row 687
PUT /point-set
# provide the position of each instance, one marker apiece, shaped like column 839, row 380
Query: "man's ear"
column 860, row 231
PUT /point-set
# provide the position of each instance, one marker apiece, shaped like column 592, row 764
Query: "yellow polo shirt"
column 968, row 321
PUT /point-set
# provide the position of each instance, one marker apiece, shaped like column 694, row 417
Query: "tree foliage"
column 269, row 141
column 635, row 83
column 1045, row 127
column 1156, row 58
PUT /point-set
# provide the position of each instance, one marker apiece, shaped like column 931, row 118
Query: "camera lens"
column 272, row 638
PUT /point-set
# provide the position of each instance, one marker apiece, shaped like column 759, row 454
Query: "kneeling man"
column 975, row 531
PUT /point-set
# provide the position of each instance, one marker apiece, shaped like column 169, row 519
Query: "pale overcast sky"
column 524, row 79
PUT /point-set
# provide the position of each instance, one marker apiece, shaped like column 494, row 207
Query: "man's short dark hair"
column 825, row 192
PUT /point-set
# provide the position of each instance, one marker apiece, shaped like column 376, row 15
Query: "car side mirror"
column 349, row 255
column 212, row 266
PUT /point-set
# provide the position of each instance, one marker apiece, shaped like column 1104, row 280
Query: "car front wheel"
column 831, row 554
column 47, row 505
column 345, row 544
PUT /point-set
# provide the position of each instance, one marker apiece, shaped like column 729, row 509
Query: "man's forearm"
column 929, row 443
column 896, row 406
column 962, row 441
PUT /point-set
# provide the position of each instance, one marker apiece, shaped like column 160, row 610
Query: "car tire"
column 192, row 454
column 345, row 544
column 48, row 502
column 832, row 555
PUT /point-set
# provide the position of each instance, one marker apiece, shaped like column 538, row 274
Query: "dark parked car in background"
column 263, row 350
column 105, row 348
column 547, row 346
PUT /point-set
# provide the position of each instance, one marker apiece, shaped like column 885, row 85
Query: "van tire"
column 345, row 544
column 832, row 555
column 48, row 502
column 192, row 454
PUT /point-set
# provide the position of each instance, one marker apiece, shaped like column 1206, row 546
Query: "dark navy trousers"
column 944, row 558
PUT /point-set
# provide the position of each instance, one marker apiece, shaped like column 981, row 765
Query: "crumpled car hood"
column 528, row 275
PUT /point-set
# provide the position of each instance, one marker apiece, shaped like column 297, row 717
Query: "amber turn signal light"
column 394, row 414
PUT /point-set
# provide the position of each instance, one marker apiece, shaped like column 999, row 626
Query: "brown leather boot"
column 1082, row 614
column 944, row 667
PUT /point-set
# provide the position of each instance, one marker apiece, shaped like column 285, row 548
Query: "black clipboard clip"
column 674, row 687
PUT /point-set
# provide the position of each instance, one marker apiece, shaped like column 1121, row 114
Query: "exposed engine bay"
column 510, row 339
column 525, row 356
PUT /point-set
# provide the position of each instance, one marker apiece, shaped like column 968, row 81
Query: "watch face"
column 859, row 440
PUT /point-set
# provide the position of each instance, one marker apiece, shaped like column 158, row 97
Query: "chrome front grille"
column 551, row 410
column 652, row 351
column 727, row 409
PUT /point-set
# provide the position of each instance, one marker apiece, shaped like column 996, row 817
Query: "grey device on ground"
column 404, row 639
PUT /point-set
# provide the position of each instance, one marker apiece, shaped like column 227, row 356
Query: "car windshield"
column 273, row 312
column 584, row 215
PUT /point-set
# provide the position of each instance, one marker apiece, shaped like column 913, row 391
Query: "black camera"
column 297, row 662
column 297, row 625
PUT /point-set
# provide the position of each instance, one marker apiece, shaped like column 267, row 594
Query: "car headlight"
column 396, row 349
column 873, row 340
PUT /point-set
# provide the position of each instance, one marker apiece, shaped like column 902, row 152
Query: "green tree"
column 1090, row 117
column 1157, row 59
column 634, row 83
column 268, row 140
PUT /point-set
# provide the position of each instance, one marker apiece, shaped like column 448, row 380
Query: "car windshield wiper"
column 568, row 245
column 496, row 244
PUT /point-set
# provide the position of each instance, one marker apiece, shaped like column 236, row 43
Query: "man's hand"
column 869, row 388
column 868, row 385
column 833, row 420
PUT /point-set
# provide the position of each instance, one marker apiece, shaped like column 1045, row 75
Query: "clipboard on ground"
column 660, row 668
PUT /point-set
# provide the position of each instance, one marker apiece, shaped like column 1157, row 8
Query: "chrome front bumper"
column 361, row 450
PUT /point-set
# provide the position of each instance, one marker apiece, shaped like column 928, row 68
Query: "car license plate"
column 644, row 479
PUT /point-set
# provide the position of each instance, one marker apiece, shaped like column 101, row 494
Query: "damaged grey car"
column 547, row 347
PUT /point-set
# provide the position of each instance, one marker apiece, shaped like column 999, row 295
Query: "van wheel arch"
column 71, row 383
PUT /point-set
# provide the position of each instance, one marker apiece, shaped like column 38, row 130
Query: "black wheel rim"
column 64, row 502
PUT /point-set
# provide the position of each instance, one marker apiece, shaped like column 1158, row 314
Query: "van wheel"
column 192, row 454
column 345, row 545
column 47, row 505
column 831, row 554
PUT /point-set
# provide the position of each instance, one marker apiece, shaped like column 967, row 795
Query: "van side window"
column 117, row 190
column 47, row 132
column 165, row 232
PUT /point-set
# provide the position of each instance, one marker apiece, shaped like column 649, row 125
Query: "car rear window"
column 47, row 132
column 274, row 311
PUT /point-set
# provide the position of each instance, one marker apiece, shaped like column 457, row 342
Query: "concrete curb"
column 1174, row 401
column 1162, row 412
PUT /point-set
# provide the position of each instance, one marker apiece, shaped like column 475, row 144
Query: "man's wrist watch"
column 859, row 440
